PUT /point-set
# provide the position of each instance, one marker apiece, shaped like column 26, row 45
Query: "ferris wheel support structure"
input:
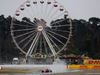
column 50, row 45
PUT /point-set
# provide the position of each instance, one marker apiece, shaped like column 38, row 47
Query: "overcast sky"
column 78, row 9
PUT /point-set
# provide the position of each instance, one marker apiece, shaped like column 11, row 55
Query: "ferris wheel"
column 41, row 26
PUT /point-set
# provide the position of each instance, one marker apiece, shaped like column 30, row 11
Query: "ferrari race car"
column 46, row 71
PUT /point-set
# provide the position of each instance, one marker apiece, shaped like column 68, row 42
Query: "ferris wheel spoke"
column 29, row 14
column 24, row 29
column 31, row 23
column 27, row 54
column 40, row 44
column 35, row 42
column 45, row 11
column 23, row 34
column 57, row 34
column 55, row 38
column 33, row 12
column 45, row 45
column 29, row 41
column 41, row 10
column 37, row 11
column 19, row 47
column 22, row 25
column 61, row 25
column 23, row 14
column 32, row 45
column 49, row 43
column 58, row 16
column 49, row 13
column 25, row 38
column 35, row 49
column 37, row 22
column 54, row 43
column 52, row 15
column 60, row 30
column 57, row 22
column 60, row 50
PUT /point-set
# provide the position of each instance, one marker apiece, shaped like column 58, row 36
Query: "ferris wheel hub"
column 40, row 28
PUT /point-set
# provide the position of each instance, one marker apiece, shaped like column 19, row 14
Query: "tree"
column 86, row 37
column 94, row 33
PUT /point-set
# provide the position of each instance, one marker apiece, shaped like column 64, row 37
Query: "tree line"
column 85, row 40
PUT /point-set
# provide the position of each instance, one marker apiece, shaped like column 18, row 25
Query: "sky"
column 78, row 9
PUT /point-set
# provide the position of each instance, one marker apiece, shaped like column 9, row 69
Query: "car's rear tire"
column 50, row 71
column 42, row 71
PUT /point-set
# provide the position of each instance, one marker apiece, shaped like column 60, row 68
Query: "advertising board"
column 91, row 62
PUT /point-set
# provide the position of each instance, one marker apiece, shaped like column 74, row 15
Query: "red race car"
column 46, row 71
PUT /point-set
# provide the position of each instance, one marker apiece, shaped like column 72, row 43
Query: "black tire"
column 42, row 71
column 50, row 70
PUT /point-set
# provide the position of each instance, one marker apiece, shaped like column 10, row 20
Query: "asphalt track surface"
column 80, row 72
column 83, row 72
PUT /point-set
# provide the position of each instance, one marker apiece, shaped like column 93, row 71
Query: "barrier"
column 73, row 66
column 96, row 67
column 83, row 67
column 92, row 62
column 88, row 64
column 90, row 67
